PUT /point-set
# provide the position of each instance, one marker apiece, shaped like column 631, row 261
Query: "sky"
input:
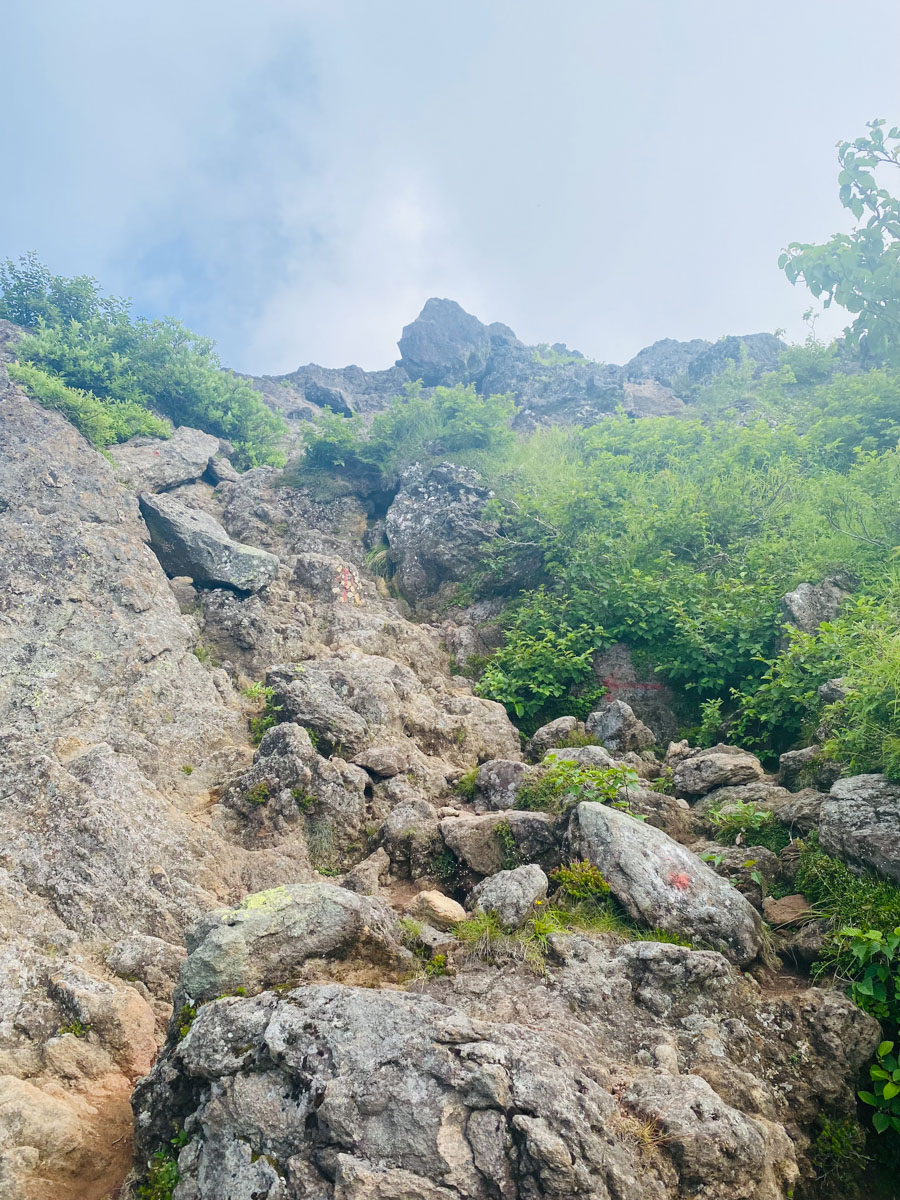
column 294, row 178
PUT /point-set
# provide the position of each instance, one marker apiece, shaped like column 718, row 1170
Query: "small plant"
column 885, row 1094
column 664, row 783
column 707, row 733
column 509, row 850
column 264, row 721
column 162, row 1177
column 566, row 784
column 75, row 1027
column 481, row 935
column 204, row 654
column 304, row 800
column 259, row 793
column 444, row 865
column 186, row 1015
column 838, row 1152
column 256, row 690
column 465, row 785
column 188, row 770
column 580, row 883
column 736, row 820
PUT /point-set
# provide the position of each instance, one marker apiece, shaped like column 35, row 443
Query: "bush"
column 566, row 784
column 91, row 346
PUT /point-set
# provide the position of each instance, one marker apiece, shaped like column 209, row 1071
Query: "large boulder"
column 436, row 527
column 699, row 771
column 510, row 895
column 553, row 734
column 860, row 823
column 498, row 783
column 650, row 699
column 807, row 768
column 444, row 345
column 154, row 465
column 663, row 884
column 616, row 726
column 270, row 936
column 190, row 542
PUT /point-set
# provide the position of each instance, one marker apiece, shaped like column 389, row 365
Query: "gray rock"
column 551, row 735
column 510, row 895
column 220, row 470
column 669, row 813
column 190, row 542
column 444, row 345
column 498, row 782
column 154, row 465
column 809, row 604
column 151, row 960
column 367, row 877
column 268, row 938
column 411, row 838
column 650, row 700
column 859, row 822
column 807, row 768
column 384, row 762
column 700, row 771
column 618, row 728
column 831, row 691
column 436, row 528
column 662, row 883
column 583, row 756
column 497, row 841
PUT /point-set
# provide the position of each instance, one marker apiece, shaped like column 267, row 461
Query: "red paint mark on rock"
column 679, row 880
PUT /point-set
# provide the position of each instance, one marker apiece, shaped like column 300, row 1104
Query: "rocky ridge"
column 279, row 919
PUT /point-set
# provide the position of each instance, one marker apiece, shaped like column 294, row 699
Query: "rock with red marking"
column 661, row 883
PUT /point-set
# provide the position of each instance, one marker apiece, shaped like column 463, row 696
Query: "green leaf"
column 868, row 1098
column 881, row 1121
column 884, row 1048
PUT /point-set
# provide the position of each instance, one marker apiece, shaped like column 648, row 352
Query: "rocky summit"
column 292, row 910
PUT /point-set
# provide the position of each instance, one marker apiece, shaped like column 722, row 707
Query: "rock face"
column 189, row 542
column 616, row 726
column 270, row 936
column 444, row 344
column 152, row 465
column 859, row 822
column 700, row 771
column 436, row 528
column 650, row 700
column 662, row 883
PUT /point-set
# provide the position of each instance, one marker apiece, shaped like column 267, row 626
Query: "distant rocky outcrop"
column 445, row 345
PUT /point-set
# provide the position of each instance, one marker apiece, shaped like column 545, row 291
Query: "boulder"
column 436, row 909
column 650, row 700
column 663, row 884
column 411, row 838
column 807, row 768
column 267, row 940
column 669, row 813
column 384, row 762
column 553, row 734
column 436, row 528
column 859, row 823
column 787, row 910
column 444, row 345
column 700, row 771
column 616, row 726
column 368, row 876
column 497, row 841
column 190, row 542
column 510, row 895
column 809, row 604
column 154, row 465
column 498, row 782
column 152, row 961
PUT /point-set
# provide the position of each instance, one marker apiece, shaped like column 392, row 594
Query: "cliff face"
column 313, row 1042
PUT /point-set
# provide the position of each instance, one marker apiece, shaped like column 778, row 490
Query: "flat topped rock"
column 190, row 542
column 155, row 464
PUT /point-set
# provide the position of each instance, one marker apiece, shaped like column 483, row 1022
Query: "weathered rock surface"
column 510, row 895
column 436, row 527
column 444, row 345
column 650, row 700
column 489, row 843
column 700, row 771
column 147, row 464
column 860, row 823
column 190, row 542
column 436, row 909
column 807, row 768
column 504, row 1083
column 552, row 735
column 662, row 883
column 498, row 783
column 616, row 726
column 809, row 604
column 270, row 937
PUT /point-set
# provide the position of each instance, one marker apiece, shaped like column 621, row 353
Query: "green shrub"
column 579, row 882
column 113, row 372
column 565, row 784
column 740, row 821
